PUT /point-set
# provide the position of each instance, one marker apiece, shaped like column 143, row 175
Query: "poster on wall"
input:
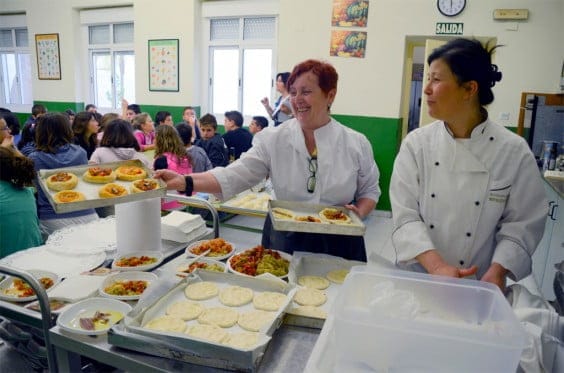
column 163, row 65
column 48, row 56
column 348, row 43
column 350, row 13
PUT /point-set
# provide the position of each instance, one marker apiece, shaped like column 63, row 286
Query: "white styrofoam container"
column 398, row 321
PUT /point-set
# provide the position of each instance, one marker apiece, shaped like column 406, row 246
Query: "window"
column 112, row 64
column 241, row 58
column 15, row 67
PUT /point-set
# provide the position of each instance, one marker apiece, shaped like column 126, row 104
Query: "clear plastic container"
column 398, row 321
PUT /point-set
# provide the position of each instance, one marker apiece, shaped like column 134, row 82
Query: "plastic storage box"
column 398, row 321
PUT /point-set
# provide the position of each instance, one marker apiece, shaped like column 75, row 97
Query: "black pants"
column 348, row 247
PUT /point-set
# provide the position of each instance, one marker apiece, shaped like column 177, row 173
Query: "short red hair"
column 326, row 74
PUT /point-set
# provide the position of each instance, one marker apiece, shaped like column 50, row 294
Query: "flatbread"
column 221, row 316
column 67, row 196
column 309, row 311
column 144, row 185
column 243, row 340
column 310, row 297
column 314, row 282
column 112, row 190
column 130, row 173
column 234, row 296
column 99, row 175
column 334, row 216
column 269, row 301
column 201, row 290
column 185, row 310
column 61, row 181
column 253, row 321
column 338, row 275
column 210, row 333
column 282, row 213
column 167, row 324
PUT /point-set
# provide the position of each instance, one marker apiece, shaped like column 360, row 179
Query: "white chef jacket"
column 346, row 169
column 475, row 201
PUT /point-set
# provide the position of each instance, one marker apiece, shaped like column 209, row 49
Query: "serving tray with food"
column 14, row 289
column 259, row 261
column 127, row 285
column 319, row 278
column 138, row 261
column 92, row 316
column 304, row 217
column 247, row 202
column 81, row 187
column 182, row 266
column 209, row 318
column 216, row 248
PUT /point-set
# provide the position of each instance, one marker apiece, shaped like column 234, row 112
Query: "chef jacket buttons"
column 492, row 138
column 461, row 262
column 468, row 234
column 431, row 226
column 436, row 163
column 432, row 195
column 477, row 203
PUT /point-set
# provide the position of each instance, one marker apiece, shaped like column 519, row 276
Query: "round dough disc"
column 337, row 276
column 253, row 321
column 309, row 311
column 314, row 282
column 234, row 296
column 269, row 301
column 208, row 332
column 310, row 297
column 66, row 196
column 185, row 310
column 243, row 340
column 220, row 316
column 201, row 290
column 167, row 324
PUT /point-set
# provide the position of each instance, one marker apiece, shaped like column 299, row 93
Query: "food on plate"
column 100, row 320
column 338, row 275
column 216, row 267
column 112, row 190
column 221, row 316
column 269, row 300
column 314, row 282
column 217, row 246
column 201, row 290
column 235, row 296
column 253, row 321
column 185, row 310
column 67, row 196
column 308, row 219
column 54, row 305
column 62, row 181
column 144, row 185
column 135, row 261
column 22, row 289
column 127, row 287
column 309, row 311
column 99, row 175
column 210, row 333
column 242, row 340
column 334, row 216
column 130, row 173
column 282, row 213
column 259, row 260
column 167, row 324
column 310, row 297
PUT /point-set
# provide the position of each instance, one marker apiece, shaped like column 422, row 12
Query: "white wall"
column 530, row 61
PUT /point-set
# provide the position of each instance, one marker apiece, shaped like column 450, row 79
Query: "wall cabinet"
column 551, row 248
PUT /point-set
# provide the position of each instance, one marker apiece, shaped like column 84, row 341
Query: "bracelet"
column 189, row 185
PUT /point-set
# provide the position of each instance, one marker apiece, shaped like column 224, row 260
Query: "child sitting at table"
column 212, row 142
column 144, row 131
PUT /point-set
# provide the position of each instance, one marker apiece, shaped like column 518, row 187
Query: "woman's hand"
column 432, row 261
column 497, row 275
column 265, row 101
column 173, row 180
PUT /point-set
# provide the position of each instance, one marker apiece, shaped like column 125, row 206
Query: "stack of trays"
column 182, row 227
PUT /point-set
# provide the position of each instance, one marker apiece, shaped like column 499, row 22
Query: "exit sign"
column 446, row 28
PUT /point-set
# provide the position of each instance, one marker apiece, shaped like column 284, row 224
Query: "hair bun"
column 495, row 75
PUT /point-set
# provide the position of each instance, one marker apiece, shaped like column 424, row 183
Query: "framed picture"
column 48, row 56
column 163, row 65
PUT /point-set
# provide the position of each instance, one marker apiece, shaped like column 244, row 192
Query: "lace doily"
column 95, row 237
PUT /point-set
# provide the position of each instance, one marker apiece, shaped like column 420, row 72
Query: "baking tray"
column 90, row 190
column 242, row 203
column 182, row 347
column 355, row 228
column 304, row 263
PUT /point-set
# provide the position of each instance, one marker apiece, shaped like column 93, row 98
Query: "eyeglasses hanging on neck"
column 313, row 171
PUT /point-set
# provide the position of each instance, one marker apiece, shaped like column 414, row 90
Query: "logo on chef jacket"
column 497, row 197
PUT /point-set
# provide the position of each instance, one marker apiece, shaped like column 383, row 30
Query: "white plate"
column 69, row 319
column 154, row 254
column 126, row 276
column 198, row 243
column 284, row 255
column 184, row 264
column 41, row 258
column 7, row 283
column 85, row 239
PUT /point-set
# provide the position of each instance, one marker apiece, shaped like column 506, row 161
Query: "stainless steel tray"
column 355, row 228
column 90, row 190
column 182, row 347
column 246, row 203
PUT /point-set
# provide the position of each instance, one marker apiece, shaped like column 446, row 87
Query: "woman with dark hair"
column 13, row 124
column 467, row 196
column 311, row 159
column 282, row 110
column 85, row 128
column 53, row 139
column 19, row 226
